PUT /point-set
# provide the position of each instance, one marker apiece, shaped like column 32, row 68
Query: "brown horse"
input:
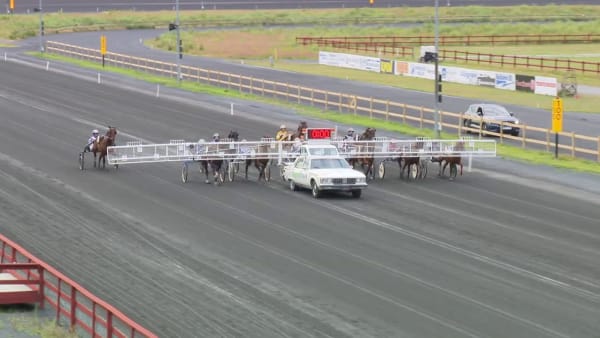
column 261, row 164
column 453, row 161
column 365, row 160
column 101, row 146
column 405, row 162
column 302, row 130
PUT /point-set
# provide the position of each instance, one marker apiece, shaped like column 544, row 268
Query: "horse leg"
column 94, row 159
column 248, row 162
column 205, row 168
column 444, row 167
column 461, row 167
column 261, row 170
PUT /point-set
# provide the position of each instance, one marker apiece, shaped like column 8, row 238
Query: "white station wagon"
column 319, row 173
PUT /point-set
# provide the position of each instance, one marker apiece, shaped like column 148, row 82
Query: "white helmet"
column 351, row 130
column 95, row 131
column 216, row 135
column 282, row 126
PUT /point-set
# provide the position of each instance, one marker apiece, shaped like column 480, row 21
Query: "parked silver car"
column 493, row 115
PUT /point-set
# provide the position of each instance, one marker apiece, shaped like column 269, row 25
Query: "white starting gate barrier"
column 281, row 151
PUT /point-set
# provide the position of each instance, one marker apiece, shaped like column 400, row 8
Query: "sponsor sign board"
column 525, row 83
column 546, row 85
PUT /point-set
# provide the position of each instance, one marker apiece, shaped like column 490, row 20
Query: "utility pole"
column 436, row 124
column 178, row 42
column 42, row 49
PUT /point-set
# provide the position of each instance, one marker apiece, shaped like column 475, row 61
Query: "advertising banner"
column 387, row 66
column 401, row 68
column 525, row 83
column 422, row 70
column 349, row 61
column 450, row 74
column 467, row 76
column 505, row 81
column 486, row 79
column 546, row 85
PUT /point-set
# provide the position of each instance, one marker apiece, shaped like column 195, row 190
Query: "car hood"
column 338, row 173
column 511, row 119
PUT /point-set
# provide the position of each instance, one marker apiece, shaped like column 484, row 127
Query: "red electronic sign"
column 319, row 133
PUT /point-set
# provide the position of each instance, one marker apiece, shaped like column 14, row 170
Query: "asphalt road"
column 23, row 6
column 508, row 250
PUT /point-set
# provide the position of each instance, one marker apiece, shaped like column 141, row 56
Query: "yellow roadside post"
column 557, row 121
column 103, row 47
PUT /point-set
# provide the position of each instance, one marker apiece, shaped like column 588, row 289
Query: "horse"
column 214, row 163
column 261, row 164
column 412, row 160
column 453, row 161
column 368, row 158
column 299, row 133
column 101, row 146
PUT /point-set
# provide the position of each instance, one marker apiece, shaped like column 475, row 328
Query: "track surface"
column 154, row 5
column 505, row 251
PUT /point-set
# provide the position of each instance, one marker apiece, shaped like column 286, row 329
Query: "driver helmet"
column 350, row 131
column 215, row 136
column 282, row 126
column 95, row 132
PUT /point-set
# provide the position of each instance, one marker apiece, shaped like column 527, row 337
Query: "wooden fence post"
column 387, row 110
column 298, row 94
column 404, row 113
column 523, row 136
column 371, row 108
column 547, row 139
column 421, row 119
column 326, row 100
column 312, row 97
column 572, row 144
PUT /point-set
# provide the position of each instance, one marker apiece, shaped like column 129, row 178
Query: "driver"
column 282, row 133
column 215, row 137
column 90, row 145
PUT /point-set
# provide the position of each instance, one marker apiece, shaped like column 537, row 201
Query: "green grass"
column 28, row 321
column 503, row 150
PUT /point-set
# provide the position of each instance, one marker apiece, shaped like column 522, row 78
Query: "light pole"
column 178, row 42
column 41, row 28
column 436, row 124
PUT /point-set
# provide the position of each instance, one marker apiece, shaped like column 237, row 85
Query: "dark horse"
column 214, row 163
column 452, row 160
column 405, row 162
column 261, row 164
column 301, row 131
column 101, row 146
column 366, row 151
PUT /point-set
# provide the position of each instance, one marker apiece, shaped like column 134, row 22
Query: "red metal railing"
column 74, row 305
column 419, row 40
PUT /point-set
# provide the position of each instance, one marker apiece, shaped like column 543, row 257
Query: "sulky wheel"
column 231, row 171
column 381, row 170
column 413, row 171
column 81, row 164
column 184, row 173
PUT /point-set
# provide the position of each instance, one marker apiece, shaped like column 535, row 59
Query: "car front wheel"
column 316, row 193
column 293, row 186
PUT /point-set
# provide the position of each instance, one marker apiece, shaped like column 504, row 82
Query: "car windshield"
column 495, row 111
column 329, row 163
column 323, row 151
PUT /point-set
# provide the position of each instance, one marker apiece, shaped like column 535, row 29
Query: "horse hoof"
column 207, row 182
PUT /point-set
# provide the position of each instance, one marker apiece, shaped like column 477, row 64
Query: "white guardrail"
column 181, row 151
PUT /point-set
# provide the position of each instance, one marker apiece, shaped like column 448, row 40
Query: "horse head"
column 368, row 134
column 234, row 135
column 302, row 128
